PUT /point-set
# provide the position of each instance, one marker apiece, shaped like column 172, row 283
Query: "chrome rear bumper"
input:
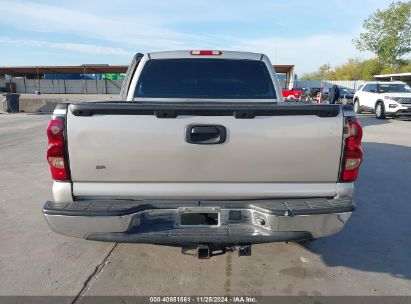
column 239, row 222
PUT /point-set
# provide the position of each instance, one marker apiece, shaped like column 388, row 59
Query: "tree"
column 406, row 68
column 355, row 69
column 311, row 76
column 387, row 33
column 323, row 73
column 369, row 68
column 348, row 71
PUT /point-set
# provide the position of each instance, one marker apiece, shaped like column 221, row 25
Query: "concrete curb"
column 46, row 103
column 38, row 105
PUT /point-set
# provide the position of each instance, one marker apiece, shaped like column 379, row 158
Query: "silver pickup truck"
column 202, row 152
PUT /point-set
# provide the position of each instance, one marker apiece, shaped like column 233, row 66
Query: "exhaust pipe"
column 205, row 251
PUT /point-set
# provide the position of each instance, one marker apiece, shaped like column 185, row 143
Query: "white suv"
column 384, row 99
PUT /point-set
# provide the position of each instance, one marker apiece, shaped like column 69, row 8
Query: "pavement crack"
column 91, row 278
column 228, row 273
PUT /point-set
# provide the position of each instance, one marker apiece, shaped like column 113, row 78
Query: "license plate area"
column 201, row 217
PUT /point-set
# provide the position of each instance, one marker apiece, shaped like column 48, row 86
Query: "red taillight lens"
column 206, row 53
column 352, row 151
column 55, row 150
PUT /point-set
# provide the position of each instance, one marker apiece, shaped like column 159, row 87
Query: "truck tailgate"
column 137, row 146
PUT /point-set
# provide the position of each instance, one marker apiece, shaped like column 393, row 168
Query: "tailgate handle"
column 205, row 134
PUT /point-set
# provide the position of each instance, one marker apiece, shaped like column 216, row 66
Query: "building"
column 405, row 77
column 85, row 79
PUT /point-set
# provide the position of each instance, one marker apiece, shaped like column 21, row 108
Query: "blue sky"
column 301, row 32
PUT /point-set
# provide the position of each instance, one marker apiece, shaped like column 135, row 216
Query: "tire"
column 380, row 110
column 357, row 107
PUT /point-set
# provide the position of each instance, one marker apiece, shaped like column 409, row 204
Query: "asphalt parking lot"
column 371, row 256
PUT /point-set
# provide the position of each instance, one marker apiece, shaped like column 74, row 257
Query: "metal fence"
column 61, row 86
column 349, row 84
column 106, row 86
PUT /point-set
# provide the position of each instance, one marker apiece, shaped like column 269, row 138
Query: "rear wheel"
column 357, row 108
column 380, row 111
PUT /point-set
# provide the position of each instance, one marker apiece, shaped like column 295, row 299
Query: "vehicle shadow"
column 370, row 120
column 377, row 238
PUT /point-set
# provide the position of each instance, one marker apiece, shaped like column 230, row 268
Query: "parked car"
column 202, row 152
column 314, row 92
column 293, row 94
column 347, row 94
column 305, row 93
column 297, row 94
column 384, row 99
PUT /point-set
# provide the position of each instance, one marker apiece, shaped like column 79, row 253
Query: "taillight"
column 55, row 150
column 206, row 53
column 353, row 155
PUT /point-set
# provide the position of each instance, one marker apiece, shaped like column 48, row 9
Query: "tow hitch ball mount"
column 205, row 251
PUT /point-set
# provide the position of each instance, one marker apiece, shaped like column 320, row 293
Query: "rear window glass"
column 205, row 78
